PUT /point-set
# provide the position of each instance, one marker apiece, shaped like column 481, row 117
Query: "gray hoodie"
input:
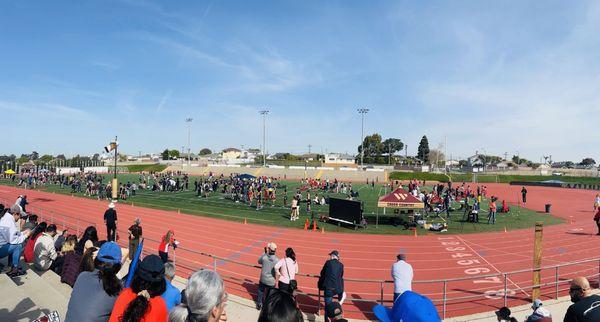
column 267, row 272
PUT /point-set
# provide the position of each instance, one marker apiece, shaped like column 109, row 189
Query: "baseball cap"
column 334, row 309
column 272, row 246
column 111, row 205
column 109, row 252
column 537, row 303
column 335, row 253
column 152, row 269
column 410, row 306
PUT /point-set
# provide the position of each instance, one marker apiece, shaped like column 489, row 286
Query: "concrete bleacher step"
column 42, row 293
column 15, row 304
column 53, row 280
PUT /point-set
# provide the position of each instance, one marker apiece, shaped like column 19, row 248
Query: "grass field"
column 219, row 207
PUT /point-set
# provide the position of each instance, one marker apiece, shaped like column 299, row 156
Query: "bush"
column 489, row 178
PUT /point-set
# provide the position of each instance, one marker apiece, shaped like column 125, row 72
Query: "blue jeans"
column 12, row 250
column 328, row 296
column 492, row 217
column 264, row 291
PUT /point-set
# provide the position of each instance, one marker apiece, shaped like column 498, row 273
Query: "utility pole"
column 115, row 187
column 264, row 114
column 181, row 155
column 309, row 146
column 362, row 112
column 189, row 123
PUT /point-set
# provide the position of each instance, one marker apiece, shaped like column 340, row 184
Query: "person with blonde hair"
column 166, row 242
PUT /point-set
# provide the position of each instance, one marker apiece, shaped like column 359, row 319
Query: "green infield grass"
column 217, row 206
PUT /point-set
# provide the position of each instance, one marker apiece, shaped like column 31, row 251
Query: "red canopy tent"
column 400, row 199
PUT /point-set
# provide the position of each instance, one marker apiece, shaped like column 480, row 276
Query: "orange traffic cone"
column 306, row 224
column 322, row 230
column 505, row 229
column 415, row 230
column 314, row 225
column 245, row 221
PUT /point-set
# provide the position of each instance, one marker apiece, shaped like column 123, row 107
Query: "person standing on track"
column 597, row 220
column 597, row 202
column 331, row 279
column 524, row 194
column 135, row 233
column 166, row 241
column 110, row 220
column 402, row 273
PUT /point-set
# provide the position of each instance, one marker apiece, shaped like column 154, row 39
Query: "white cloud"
column 164, row 100
column 43, row 110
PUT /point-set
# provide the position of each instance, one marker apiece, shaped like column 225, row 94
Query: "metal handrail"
column 443, row 301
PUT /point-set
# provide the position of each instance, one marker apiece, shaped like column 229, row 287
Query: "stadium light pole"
column 264, row 114
column 362, row 112
column 189, row 123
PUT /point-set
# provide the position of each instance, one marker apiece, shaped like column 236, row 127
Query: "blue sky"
column 497, row 77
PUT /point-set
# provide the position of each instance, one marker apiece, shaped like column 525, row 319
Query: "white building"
column 339, row 159
column 231, row 153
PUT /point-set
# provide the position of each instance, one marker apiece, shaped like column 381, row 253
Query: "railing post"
column 505, row 288
column 381, row 292
column 444, row 300
column 318, row 302
column 556, row 283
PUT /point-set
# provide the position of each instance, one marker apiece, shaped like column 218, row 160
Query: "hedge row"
column 467, row 177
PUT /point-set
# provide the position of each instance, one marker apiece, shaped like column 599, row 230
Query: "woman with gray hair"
column 204, row 299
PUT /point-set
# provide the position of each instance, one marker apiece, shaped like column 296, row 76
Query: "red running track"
column 364, row 256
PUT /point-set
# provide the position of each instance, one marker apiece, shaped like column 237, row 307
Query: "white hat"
column 537, row 303
column 272, row 246
column 111, row 205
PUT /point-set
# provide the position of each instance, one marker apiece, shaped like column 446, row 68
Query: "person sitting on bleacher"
column 11, row 239
column 44, row 251
column 96, row 292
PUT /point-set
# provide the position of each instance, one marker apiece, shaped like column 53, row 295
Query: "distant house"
column 452, row 163
column 231, row 153
column 339, row 159
column 309, row 157
column 503, row 165
column 476, row 161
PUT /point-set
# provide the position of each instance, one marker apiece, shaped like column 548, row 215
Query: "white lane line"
column 492, row 265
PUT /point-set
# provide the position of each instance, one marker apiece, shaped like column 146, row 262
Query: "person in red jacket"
column 165, row 242
column 28, row 251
